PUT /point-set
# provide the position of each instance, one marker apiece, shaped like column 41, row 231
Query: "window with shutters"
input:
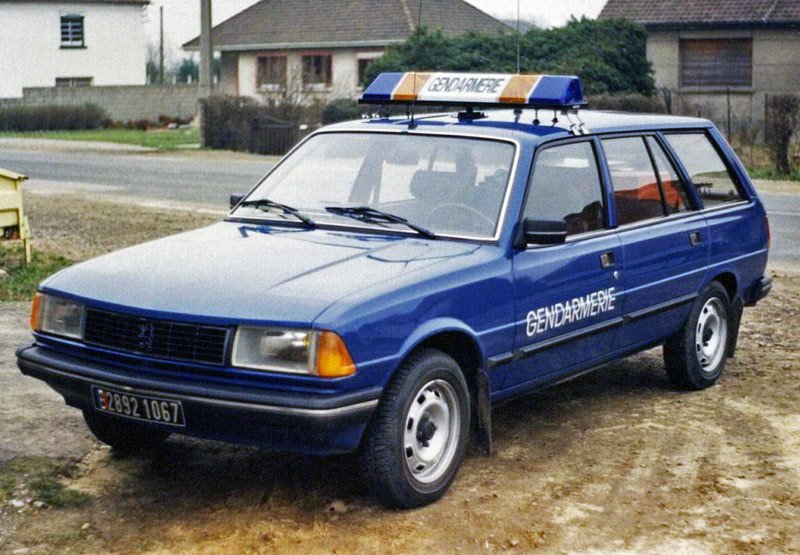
column 72, row 82
column 717, row 63
column 271, row 73
column 317, row 71
column 72, row 32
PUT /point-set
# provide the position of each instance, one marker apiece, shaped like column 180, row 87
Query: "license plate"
column 138, row 407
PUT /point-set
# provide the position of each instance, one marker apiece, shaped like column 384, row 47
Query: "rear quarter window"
column 709, row 173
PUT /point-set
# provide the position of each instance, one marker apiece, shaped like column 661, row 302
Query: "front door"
column 568, row 298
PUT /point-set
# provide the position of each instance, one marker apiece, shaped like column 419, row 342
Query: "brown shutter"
column 717, row 62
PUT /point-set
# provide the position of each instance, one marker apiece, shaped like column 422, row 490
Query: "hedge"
column 51, row 118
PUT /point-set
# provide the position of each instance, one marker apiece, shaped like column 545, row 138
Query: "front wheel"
column 695, row 356
column 417, row 438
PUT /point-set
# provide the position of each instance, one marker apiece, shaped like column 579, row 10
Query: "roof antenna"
column 518, row 39
column 412, row 124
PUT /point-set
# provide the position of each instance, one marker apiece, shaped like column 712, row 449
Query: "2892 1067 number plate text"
column 138, row 407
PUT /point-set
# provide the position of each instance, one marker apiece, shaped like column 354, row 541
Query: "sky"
column 182, row 17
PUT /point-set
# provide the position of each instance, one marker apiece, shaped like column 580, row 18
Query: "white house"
column 52, row 43
column 321, row 48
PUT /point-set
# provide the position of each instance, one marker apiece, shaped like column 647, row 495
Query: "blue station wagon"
column 392, row 279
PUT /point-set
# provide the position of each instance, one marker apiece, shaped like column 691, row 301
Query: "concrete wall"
column 239, row 74
column 31, row 53
column 776, row 70
column 126, row 103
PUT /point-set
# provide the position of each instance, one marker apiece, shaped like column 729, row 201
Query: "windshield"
column 448, row 185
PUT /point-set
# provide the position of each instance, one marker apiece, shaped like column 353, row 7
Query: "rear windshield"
column 450, row 185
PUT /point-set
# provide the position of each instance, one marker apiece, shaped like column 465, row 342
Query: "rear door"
column 665, row 240
column 567, row 296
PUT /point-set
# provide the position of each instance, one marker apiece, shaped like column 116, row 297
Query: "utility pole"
column 206, row 50
column 161, row 46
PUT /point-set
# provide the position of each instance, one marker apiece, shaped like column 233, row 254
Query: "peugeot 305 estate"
column 392, row 279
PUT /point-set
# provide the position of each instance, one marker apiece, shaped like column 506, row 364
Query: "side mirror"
column 235, row 199
column 544, row 232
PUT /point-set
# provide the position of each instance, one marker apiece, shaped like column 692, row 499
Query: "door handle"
column 695, row 238
column 607, row 260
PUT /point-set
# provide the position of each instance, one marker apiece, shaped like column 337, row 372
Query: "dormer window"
column 72, row 35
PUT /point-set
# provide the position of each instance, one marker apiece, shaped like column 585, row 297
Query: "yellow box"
column 13, row 221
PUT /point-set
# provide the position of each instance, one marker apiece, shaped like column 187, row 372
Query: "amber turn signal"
column 333, row 358
column 35, row 305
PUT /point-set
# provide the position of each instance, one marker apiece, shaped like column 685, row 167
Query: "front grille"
column 156, row 338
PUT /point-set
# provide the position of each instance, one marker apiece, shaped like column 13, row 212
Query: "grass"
column 39, row 479
column 22, row 280
column 162, row 139
column 768, row 172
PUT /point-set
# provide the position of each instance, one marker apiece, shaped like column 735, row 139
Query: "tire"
column 695, row 356
column 123, row 436
column 407, row 459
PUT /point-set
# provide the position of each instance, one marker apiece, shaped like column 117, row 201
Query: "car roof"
column 505, row 124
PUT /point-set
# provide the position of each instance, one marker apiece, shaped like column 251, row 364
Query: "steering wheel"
column 457, row 210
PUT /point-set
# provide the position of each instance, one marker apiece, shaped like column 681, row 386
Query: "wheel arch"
column 729, row 281
column 460, row 342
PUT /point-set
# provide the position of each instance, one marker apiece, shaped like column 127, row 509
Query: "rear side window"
column 671, row 186
column 636, row 192
column 709, row 174
column 565, row 186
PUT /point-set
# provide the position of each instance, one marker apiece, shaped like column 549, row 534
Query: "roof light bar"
column 563, row 92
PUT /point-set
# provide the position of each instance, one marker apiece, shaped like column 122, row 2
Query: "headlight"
column 58, row 316
column 315, row 353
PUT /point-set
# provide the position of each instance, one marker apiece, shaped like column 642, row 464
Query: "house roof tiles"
column 306, row 23
column 653, row 13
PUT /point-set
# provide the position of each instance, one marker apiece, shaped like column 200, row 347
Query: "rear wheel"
column 695, row 356
column 121, row 435
column 417, row 438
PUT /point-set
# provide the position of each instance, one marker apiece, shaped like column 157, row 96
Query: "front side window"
column 565, row 186
column 637, row 194
column 709, row 174
column 72, row 33
column 451, row 186
column 317, row 70
column 271, row 72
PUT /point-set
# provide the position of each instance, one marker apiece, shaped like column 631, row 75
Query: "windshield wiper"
column 367, row 214
column 290, row 210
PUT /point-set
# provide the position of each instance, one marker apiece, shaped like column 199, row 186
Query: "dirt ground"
column 617, row 461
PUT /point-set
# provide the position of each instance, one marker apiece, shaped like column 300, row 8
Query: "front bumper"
column 280, row 421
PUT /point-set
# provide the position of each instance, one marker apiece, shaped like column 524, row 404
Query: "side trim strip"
column 528, row 350
column 650, row 310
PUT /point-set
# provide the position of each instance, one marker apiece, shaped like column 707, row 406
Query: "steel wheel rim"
column 431, row 432
column 711, row 335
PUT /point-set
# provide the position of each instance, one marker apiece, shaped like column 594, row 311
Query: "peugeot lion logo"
column 144, row 338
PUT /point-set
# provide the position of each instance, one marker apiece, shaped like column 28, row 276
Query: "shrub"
column 783, row 120
column 242, row 124
column 341, row 109
column 609, row 55
column 47, row 118
column 627, row 103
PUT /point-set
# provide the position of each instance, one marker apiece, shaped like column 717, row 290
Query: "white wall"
column 344, row 73
column 31, row 56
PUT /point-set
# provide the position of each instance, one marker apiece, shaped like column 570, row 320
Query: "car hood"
column 247, row 273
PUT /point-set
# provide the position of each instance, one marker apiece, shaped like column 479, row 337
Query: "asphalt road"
column 187, row 179
column 209, row 180
column 784, row 219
